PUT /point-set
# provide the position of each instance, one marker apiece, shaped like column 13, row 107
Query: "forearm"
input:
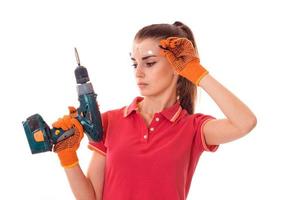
column 233, row 108
column 80, row 185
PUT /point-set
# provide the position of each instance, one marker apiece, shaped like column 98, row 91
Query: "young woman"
column 151, row 147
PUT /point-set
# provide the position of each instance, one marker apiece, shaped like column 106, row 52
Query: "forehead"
column 145, row 47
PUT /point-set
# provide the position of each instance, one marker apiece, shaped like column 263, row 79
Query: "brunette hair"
column 186, row 90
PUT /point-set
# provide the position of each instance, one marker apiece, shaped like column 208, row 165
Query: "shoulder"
column 118, row 112
column 202, row 116
column 121, row 111
column 198, row 119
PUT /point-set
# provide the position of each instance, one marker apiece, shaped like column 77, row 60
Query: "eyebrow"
column 143, row 58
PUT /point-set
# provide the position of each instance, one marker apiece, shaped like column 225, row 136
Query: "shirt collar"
column 171, row 113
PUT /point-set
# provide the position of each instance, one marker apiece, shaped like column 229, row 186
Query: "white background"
column 251, row 47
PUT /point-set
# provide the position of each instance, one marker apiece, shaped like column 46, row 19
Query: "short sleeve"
column 101, row 145
column 199, row 121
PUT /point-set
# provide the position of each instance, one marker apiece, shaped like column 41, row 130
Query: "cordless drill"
column 42, row 138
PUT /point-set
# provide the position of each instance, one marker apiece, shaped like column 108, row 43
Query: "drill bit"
column 77, row 56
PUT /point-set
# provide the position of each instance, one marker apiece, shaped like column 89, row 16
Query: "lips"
column 140, row 83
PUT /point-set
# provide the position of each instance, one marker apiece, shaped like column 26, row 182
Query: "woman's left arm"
column 239, row 118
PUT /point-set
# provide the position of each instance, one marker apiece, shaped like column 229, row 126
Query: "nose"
column 139, row 72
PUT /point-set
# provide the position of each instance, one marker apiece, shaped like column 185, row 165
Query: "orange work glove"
column 66, row 149
column 181, row 54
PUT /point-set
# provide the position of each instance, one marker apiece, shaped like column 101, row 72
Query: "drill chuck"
column 81, row 75
column 81, row 72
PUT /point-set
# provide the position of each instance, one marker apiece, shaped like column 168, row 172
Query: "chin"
column 148, row 93
column 144, row 92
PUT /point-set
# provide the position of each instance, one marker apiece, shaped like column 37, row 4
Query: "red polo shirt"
column 150, row 163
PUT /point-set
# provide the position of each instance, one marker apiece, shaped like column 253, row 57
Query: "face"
column 154, row 75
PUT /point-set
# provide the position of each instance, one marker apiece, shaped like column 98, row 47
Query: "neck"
column 151, row 105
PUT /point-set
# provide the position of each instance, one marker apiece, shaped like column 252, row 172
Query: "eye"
column 134, row 65
column 150, row 64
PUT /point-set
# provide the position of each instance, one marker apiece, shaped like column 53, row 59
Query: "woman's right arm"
column 96, row 173
column 90, row 186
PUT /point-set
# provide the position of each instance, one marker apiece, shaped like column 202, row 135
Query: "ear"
column 175, row 76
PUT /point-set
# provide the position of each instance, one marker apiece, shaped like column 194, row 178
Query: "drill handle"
column 90, row 117
column 59, row 134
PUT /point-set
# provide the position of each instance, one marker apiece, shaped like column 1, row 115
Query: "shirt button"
column 157, row 119
column 145, row 136
column 151, row 129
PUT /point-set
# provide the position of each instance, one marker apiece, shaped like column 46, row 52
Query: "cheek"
column 165, row 67
column 162, row 73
